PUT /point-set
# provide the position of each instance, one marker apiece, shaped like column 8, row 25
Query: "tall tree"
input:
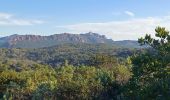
column 151, row 78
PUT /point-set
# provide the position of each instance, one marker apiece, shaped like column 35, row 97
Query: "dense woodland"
column 76, row 54
column 88, row 71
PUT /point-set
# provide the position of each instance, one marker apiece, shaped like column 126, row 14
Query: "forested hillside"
column 88, row 71
column 75, row 54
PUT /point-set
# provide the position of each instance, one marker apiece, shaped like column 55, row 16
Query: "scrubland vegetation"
column 141, row 74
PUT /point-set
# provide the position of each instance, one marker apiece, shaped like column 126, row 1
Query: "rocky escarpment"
column 45, row 41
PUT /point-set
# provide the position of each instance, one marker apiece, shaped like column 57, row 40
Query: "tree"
column 151, row 78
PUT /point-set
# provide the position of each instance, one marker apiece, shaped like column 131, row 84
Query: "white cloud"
column 121, row 30
column 129, row 13
column 5, row 16
column 9, row 19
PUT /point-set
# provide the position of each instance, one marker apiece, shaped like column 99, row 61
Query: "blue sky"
column 117, row 19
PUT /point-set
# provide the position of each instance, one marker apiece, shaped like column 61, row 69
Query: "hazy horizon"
column 72, row 33
column 118, row 19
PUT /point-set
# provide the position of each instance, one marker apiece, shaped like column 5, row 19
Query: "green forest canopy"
column 144, row 75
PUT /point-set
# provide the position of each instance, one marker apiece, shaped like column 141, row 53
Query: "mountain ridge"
column 38, row 41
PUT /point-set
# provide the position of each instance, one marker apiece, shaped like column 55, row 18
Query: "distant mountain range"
column 37, row 41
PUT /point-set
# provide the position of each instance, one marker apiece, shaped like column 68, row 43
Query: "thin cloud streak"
column 7, row 19
column 129, row 13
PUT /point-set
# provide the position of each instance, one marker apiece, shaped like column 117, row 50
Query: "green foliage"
column 66, row 82
column 151, row 78
column 88, row 72
column 75, row 54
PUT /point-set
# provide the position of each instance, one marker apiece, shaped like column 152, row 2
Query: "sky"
column 117, row 19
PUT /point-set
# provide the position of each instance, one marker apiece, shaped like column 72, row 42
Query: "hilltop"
column 37, row 41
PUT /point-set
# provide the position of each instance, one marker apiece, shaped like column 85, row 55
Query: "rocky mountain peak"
column 54, row 39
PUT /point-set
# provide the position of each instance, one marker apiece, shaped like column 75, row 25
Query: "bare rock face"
column 44, row 41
